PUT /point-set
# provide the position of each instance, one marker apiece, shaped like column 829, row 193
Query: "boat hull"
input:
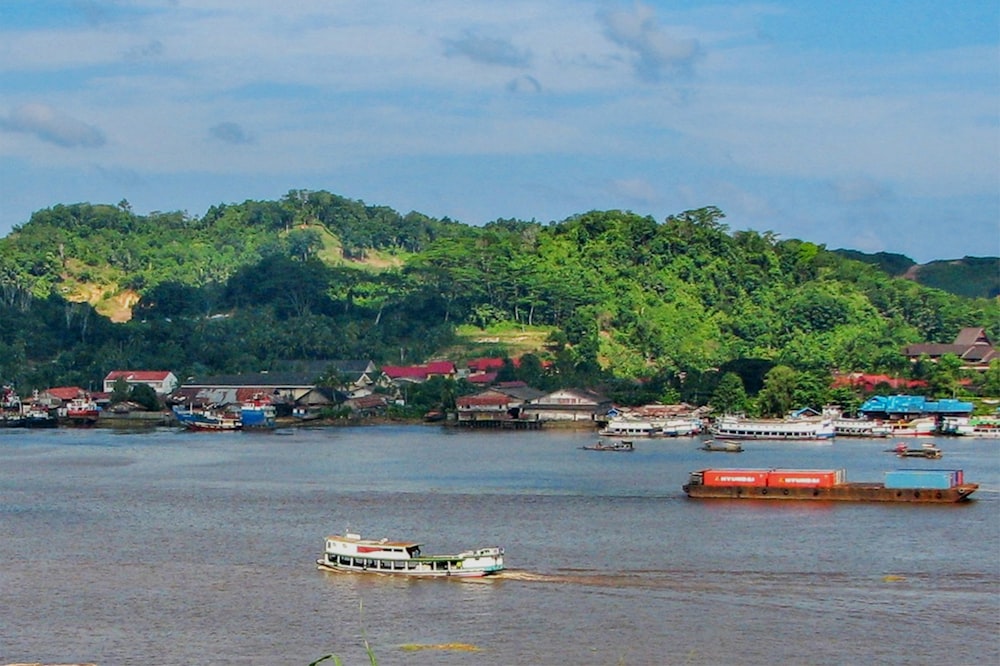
column 323, row 565
column 847, row 492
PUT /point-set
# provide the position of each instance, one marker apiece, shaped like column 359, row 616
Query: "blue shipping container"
column 930, row 479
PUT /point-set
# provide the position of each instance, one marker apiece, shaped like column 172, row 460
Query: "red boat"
column 82, row 410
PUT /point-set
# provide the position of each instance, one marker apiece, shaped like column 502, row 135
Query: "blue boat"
column 257, row 413
column 214, row 420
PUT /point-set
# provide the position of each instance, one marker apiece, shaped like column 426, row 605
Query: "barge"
column 923, row 486
column 349, row 552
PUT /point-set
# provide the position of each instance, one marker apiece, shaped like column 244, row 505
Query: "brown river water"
column 167, row 547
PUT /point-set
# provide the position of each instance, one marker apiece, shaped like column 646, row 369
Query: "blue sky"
column 872, row 125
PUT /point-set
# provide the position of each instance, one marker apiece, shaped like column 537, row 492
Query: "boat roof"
column 353, row 538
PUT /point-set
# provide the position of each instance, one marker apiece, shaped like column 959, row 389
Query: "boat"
column 349, row 552
column 844, row 426
column 924, row 426
column 920, row 486
column 662, row 427
column 972, row 426
column 82, row 410
column 257, row 413
column 38, row 416
column 209, row 419
column 728, row 447
column 11, row 415
column 624, row 445
column 739, row 427
column 924, row 451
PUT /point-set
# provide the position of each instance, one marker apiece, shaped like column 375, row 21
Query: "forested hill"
column 316, row 276
column 975, row 277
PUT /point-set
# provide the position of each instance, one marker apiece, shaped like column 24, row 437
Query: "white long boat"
column 349, row 552
column 738, row 427
column 668, row 427
column 861, row 427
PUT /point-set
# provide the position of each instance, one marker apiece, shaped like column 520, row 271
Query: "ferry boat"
column 738, row 427
column 349, row 552
column 924, row 426
column 632, row 427
column 903, row 450
column 921, row 486
column 844, row 426
column 972, row 426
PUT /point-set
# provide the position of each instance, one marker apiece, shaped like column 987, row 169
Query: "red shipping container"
column 802, row 478
column 734, row 477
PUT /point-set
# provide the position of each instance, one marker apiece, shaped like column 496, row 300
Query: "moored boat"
column 844, row 426
column 11, row 415
column 38, row 416
column 209, row 420
column 655, row 427
column 82, row 410
column 257, row 413
column 924, row 426
column 349, row 552
column 738, row 427
column 921, row 486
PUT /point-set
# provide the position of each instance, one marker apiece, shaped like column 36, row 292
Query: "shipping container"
column 804, row 478
column 735, row 477
column 930, row 479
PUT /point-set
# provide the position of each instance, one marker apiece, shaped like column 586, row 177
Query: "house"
column 567, row 405
column 394, row 374
column 283, row 388
column 867, row 383
column 57, row 396
column 367, row 406
column 487, row 406
column 354, row 376
column 972, row 345
column 163, row 382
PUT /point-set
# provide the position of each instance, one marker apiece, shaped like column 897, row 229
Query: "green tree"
column 729, row 396
column 777, row 398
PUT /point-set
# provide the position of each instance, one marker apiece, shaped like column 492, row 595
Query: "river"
column 168, row 547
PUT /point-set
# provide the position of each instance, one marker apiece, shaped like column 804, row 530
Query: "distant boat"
column 727, row 447
column 210, row 420
column 82, row 410
column 11, row 415
column 625, row 446
column 38, row 416
column 739, row 427
column 403, row 558
column 924, row 451
column 654, row 427
column 257, row 413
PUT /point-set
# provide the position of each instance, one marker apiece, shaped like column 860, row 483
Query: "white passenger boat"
column 352, row 553
column 738, row 427
column 847, row 427
column 669, row 427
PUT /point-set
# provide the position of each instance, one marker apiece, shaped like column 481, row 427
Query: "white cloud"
column 52, row 126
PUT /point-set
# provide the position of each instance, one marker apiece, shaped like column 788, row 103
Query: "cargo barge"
column 906, row 485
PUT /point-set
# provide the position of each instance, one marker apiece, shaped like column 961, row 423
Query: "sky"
column 865, row 124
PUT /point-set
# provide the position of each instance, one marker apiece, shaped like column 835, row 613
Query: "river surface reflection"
column 167, row 547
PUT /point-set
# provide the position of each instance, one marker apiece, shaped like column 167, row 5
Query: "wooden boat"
column 924, row 451
column 624, row 445
column 921, row 486
column 727, row 447
column 621, row 426
column 349, row 552
column 210, row 420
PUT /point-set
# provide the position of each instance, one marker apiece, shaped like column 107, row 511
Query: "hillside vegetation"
column 605, row 297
